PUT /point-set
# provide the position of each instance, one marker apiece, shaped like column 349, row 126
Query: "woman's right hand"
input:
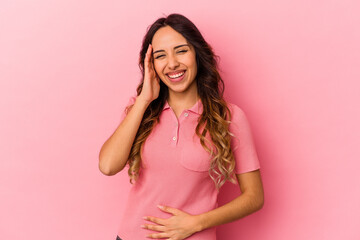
column 151, row 85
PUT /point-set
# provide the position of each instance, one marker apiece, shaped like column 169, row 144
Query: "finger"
column 148, row 57
column 168, row 209
column 151, row 57
column 160, row 221
column 158, row 228
column 158, row 235
column 150, row 51
column 146, row 60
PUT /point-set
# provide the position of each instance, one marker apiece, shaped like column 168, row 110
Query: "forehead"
column 167, row 37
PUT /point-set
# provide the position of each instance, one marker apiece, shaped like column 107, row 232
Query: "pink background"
column 67, row 68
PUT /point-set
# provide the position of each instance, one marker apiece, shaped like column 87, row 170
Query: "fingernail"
column 145, row 218
column 160, row 206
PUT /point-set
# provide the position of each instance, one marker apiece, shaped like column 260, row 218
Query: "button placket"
column 175, row 138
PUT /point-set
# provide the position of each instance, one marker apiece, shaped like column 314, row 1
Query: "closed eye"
column 159, row 56
column 182, row 51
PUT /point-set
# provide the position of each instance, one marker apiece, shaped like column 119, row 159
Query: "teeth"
column 176, row 75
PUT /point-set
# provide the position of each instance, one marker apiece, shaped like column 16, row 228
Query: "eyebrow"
column 174, row 48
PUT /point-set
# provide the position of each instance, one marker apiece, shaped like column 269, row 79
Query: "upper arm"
column 251, row 183
column 242, row 142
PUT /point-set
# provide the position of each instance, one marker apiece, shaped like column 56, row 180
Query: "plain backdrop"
column 67, row 69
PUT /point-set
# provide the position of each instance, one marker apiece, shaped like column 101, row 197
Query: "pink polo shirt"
column 176, row 171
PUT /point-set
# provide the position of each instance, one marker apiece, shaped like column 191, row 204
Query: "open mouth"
column 176, row 77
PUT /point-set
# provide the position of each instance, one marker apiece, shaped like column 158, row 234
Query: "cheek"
column 158, row 68
column 191, row 62
column 193, row 65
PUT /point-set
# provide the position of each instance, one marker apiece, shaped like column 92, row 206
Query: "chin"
column 177, row 89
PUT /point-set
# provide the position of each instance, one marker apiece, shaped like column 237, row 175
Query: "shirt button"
column 186, row 114
column 174, row 138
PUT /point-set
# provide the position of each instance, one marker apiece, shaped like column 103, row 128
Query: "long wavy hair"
column 215, row 117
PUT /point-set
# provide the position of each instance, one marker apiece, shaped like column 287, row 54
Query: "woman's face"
column 174, row 60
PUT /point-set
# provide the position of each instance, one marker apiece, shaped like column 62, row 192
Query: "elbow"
column 259, row 201
column 104, row 165
column 108, row 169
column 105, row 169
column 260, row 204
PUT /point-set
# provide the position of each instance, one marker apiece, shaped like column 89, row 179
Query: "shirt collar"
column 197, row 108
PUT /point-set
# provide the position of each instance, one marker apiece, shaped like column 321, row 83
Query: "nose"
column 173, row 62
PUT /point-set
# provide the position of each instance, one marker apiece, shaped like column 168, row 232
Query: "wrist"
column 199, row 226
column 142, row 102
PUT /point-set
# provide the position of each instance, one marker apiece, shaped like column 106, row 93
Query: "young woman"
column 181, row 141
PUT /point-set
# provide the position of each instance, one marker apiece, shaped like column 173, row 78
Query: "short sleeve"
column 242, row 142
column 130, row 102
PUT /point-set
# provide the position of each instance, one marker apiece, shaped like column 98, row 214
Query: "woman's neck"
column 184, row 100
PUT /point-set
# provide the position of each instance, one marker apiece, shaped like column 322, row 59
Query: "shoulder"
column 239, row 123
column 237, row 113
column 240, row 129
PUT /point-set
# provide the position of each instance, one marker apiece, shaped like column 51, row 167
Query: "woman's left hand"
column 179, row 226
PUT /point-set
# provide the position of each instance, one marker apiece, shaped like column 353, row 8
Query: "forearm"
column 238, row 208
column 115, row 151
